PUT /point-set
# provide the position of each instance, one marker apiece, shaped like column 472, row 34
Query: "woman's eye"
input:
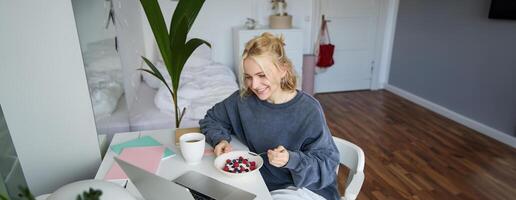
column 261, row 75
column 247, row 78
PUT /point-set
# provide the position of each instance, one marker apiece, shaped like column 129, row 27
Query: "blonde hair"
column 268, row 46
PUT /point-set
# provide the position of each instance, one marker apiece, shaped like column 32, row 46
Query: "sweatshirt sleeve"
column 315, row 163
column 216, row 124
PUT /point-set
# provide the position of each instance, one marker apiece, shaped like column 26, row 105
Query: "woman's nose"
column 254, row 83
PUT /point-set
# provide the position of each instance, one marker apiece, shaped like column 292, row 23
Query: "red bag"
column 325, row 51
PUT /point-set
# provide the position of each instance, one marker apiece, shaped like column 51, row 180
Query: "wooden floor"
column 413, row 153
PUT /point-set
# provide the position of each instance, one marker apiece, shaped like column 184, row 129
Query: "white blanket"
column 201, row 87
column 104, row 75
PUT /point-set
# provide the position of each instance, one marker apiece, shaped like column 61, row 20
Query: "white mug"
column 192, row 147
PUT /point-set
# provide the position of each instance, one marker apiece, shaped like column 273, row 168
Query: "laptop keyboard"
column 199, row 196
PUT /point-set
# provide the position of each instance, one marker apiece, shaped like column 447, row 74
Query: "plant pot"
column 280, row 22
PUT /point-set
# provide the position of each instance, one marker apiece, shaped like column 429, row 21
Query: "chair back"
column 352, row 157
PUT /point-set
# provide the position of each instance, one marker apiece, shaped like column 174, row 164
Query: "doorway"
column 361, row 31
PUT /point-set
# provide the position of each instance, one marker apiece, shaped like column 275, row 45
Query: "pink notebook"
column 147, row 158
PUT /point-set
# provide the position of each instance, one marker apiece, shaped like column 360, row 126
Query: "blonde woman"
column 269, row 115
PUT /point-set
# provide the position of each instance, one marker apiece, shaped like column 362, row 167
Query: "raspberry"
column 253, row 163
column 228, row 161
column 226, row 168
column 252, row 167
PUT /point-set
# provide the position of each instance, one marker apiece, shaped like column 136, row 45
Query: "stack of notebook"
column 144, row 152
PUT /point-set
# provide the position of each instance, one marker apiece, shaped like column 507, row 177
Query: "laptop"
column 189, row 186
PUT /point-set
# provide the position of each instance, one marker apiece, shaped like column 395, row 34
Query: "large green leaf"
column 159, row 28
column 178, row 49
column 190, row 8
column 155, row 72
column 190, row 47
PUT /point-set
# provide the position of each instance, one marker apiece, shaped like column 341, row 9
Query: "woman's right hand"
column 222, row 147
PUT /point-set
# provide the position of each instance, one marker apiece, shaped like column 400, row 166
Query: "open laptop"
column 189, row 186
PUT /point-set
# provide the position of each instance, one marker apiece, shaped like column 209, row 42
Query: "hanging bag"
column 325, row 51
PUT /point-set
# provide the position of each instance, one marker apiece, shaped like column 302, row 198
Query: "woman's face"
column 264, row 87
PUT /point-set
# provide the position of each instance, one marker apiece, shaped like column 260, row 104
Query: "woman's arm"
column 315, row 163
column 216, row 124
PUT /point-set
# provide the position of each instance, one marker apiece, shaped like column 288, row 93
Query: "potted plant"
column 172, row 44
column 280, row 18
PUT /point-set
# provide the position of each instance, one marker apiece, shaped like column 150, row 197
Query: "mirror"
column 10, row 169
column 95, row 21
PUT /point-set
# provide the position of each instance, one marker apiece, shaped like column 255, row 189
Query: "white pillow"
column 104, row 63
column 104, row 97
column 101, row 45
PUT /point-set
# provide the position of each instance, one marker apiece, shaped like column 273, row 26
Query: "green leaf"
column 190, row 47
column 190, row 8
column 178, row 49
column 159, row 28
column 155, row 72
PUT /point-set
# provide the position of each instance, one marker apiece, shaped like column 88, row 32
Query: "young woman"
column 270, row 115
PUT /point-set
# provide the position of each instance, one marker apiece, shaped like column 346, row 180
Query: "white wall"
column 217, row 18
column 44, row 94
column 91, row 21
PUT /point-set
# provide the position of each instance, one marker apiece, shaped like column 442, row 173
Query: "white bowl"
column 220, row 161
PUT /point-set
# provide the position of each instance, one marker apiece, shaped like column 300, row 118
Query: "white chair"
column 352, row 157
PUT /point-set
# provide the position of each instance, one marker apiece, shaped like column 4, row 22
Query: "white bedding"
column 104, row 75
column 116, row 123
column 200, row 89
column 203, row 84
column 145, row 115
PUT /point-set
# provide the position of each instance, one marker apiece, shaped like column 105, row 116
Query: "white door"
column 353, row 30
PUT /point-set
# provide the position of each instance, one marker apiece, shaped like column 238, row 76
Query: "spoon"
column 255, row 154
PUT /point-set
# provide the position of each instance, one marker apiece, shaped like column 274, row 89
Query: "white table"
column 172, row 168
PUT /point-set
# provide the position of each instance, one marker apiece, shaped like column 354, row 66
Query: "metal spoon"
column 255, row 154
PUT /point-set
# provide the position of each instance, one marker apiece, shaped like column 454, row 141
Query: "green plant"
column 92, row 194
column 2, row 197
column 25, row 193
column 174, row 48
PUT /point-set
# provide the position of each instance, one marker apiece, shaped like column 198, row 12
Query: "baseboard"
column 477, row 126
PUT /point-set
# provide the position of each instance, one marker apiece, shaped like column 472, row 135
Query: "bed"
column 104, row 76
column 203, row 84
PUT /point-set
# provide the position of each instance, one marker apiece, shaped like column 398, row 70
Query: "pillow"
column 101, row 45
column 104, row 63
column 104, row 97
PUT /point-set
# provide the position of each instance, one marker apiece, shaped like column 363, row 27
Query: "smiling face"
column 264, row 84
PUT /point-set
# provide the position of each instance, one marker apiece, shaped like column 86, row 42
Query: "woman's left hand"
column 278, row 156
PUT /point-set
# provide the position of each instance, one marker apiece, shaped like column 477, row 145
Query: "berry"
column 239, row 165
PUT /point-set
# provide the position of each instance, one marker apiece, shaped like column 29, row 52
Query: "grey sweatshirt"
column 299, row 125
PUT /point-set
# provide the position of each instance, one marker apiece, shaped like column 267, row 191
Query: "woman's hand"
column 278, row 157
column 222, row 147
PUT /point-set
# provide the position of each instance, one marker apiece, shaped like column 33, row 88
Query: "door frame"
column 387, row 16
